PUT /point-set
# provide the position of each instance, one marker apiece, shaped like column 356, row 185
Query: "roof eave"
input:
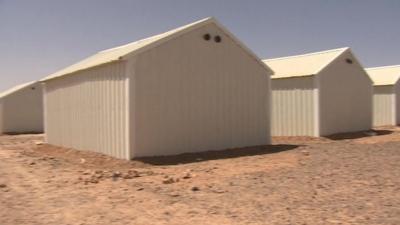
column 80, row 70
column 295, row 76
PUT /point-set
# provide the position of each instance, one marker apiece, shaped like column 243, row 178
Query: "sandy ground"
column 344, row 179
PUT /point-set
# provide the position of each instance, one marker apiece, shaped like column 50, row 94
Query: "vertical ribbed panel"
column 384, row 103
column 88, row 110
column 195, row 95
column 293, row 107
column 397, row 103
column 1, row 117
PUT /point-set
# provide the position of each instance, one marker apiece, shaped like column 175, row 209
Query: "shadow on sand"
column 214, row 155
column 356, row 135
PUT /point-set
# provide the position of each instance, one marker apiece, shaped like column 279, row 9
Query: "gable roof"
column 385, row 75
column 17, row 88
column 303, row 65
column 124, row 51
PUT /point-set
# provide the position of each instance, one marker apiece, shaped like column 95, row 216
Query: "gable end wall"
column 195, row 95
column 345, row 97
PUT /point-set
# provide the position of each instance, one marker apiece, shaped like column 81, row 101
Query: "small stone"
column 174, row 194
column 86, row 172
column 116, row 174
column 127, row 176
column 149, row 173
column 168, row 181
column 32, row 163
column 134, row 173
column 305, row 152
column 219, row 191
column 140, row 189
column 187, row 176
column 3, row 185
column 195, row 188
column 98, row 171
column 131, row 174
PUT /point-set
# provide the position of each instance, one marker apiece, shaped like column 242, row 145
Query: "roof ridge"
column 307, row 54
column 126, row 51
column 114, row 54
column 126, row 45
column 210, row 19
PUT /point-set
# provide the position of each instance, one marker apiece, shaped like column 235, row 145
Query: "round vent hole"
column 217, row 39
column 207, row 37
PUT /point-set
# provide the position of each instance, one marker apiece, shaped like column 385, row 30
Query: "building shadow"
column 215, row 155
column 361, row 134
column 22, row 133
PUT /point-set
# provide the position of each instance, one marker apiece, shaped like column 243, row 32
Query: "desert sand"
column 343, row 179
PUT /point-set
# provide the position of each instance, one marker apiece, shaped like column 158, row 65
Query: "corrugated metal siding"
column 383, row 105
column 397, row 102
column 22, row 110
column 345, row 97
column 293, row 107
column 1, row 117
column 88, row 111
column 195, row 95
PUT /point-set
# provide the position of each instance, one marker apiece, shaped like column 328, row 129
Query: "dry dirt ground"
column 344, row 179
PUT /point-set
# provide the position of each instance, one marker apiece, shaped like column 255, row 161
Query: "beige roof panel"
column 124, row 51
column 114, row 54
column 385, row 75
column 302, row 65
column 17, row 88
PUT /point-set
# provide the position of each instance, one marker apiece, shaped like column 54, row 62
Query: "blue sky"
column 39, row 37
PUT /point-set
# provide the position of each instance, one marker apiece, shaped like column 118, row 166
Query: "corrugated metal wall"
column 195, row 95
column 22, row 111
column 88, row 111
column 293, row 105
column 397, row 102
column 345, row 97
column 384, row 103
column 1, row 117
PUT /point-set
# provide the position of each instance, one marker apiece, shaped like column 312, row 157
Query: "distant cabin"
column 192, row 89
column 386, row 94
column 21, row 109
column 320, row 94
